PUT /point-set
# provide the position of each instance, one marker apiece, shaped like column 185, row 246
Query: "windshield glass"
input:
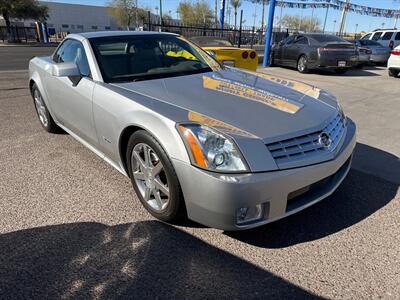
column 144, row 57
column 325, row 38
column 210, row 42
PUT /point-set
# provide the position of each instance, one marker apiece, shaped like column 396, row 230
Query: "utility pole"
column 222, row 15
column 326, row 16
column 280, row 19
column 136, row 15
column 343, row 17
column 262, row 16
column 255, row 15
column 216, row 13
column 161, row 20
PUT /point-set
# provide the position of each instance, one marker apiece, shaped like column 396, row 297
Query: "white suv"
column 385, row 37
column 394, row 62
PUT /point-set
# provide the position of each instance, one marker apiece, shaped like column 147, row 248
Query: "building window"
column 94, row 27
column 65, row 26
column 79, row 26
column 107, row 27
column 72, row 26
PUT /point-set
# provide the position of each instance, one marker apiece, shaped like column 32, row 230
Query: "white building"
column 67, row 17
column 64, row 17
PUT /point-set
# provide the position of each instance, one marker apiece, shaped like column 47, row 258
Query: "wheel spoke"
column 147, row 194
column 158, row 199
column 161, row 187
column 147, row 158
column 138, row 175
column 139, row 160
column 157, row 169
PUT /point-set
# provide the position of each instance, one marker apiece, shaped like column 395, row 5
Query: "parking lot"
column 71, row 226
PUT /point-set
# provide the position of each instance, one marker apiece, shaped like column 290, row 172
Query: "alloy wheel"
column 302, row 64
column 150, row 177
column 40, row 108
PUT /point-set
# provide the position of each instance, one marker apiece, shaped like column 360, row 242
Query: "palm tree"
column 236, row 4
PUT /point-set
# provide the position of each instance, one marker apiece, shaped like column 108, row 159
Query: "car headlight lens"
column 211, row 150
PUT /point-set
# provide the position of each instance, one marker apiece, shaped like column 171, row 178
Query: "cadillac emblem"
column 325, row 140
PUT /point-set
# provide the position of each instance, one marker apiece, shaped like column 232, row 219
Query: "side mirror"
column 67, row 69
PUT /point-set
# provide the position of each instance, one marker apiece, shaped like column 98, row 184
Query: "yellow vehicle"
column 226, row 53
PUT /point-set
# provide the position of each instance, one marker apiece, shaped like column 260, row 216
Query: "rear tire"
column 302, row 64
column 154, row 178
column 46, row 120
column 393, row 73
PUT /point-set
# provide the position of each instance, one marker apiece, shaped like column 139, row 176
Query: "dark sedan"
column 315, row 51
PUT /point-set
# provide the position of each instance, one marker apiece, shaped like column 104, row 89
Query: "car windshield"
column 326, row 38
column 144, row 57
column 369, row 43
column 211, row 42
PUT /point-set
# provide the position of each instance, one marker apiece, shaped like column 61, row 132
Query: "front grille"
column 308, row 146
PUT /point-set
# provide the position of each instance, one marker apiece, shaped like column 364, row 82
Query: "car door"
column 72, row 103
column 295, row 49
column 284, row 49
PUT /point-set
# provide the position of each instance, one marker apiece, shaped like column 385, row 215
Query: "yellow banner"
column 301, row 87
column 202, row 119
column 250, row 94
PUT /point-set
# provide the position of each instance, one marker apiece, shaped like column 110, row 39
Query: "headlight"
column 211, row 150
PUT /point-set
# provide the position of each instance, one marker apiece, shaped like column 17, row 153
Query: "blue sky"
column 365, row 23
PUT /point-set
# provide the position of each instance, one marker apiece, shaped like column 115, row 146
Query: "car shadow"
column 143, row 260
column 327, row 72
column 350, row 73
column 361, row 194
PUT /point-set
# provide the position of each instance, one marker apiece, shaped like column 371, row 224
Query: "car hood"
column 264, row 106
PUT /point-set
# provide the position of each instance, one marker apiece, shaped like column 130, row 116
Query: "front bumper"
column 212, row 199
column 379, row 58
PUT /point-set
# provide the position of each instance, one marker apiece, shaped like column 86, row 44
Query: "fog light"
column 249, row 214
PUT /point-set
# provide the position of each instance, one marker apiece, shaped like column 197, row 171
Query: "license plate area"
column 342, row 63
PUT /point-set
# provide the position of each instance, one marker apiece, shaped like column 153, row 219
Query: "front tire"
column 153, row 178
column 302, row 64
column 46, row 120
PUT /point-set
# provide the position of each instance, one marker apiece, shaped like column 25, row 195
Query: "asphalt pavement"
column 17, row 57
column 71, row 226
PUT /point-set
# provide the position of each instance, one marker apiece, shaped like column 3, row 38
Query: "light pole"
column 326, row 16
column 268, row 37
column 334, row 26
column 355, row 32
column 343, row 17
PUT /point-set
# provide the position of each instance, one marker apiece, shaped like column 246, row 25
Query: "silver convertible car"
column 228, row 148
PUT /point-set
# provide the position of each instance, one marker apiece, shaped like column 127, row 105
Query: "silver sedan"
column 225, row 147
